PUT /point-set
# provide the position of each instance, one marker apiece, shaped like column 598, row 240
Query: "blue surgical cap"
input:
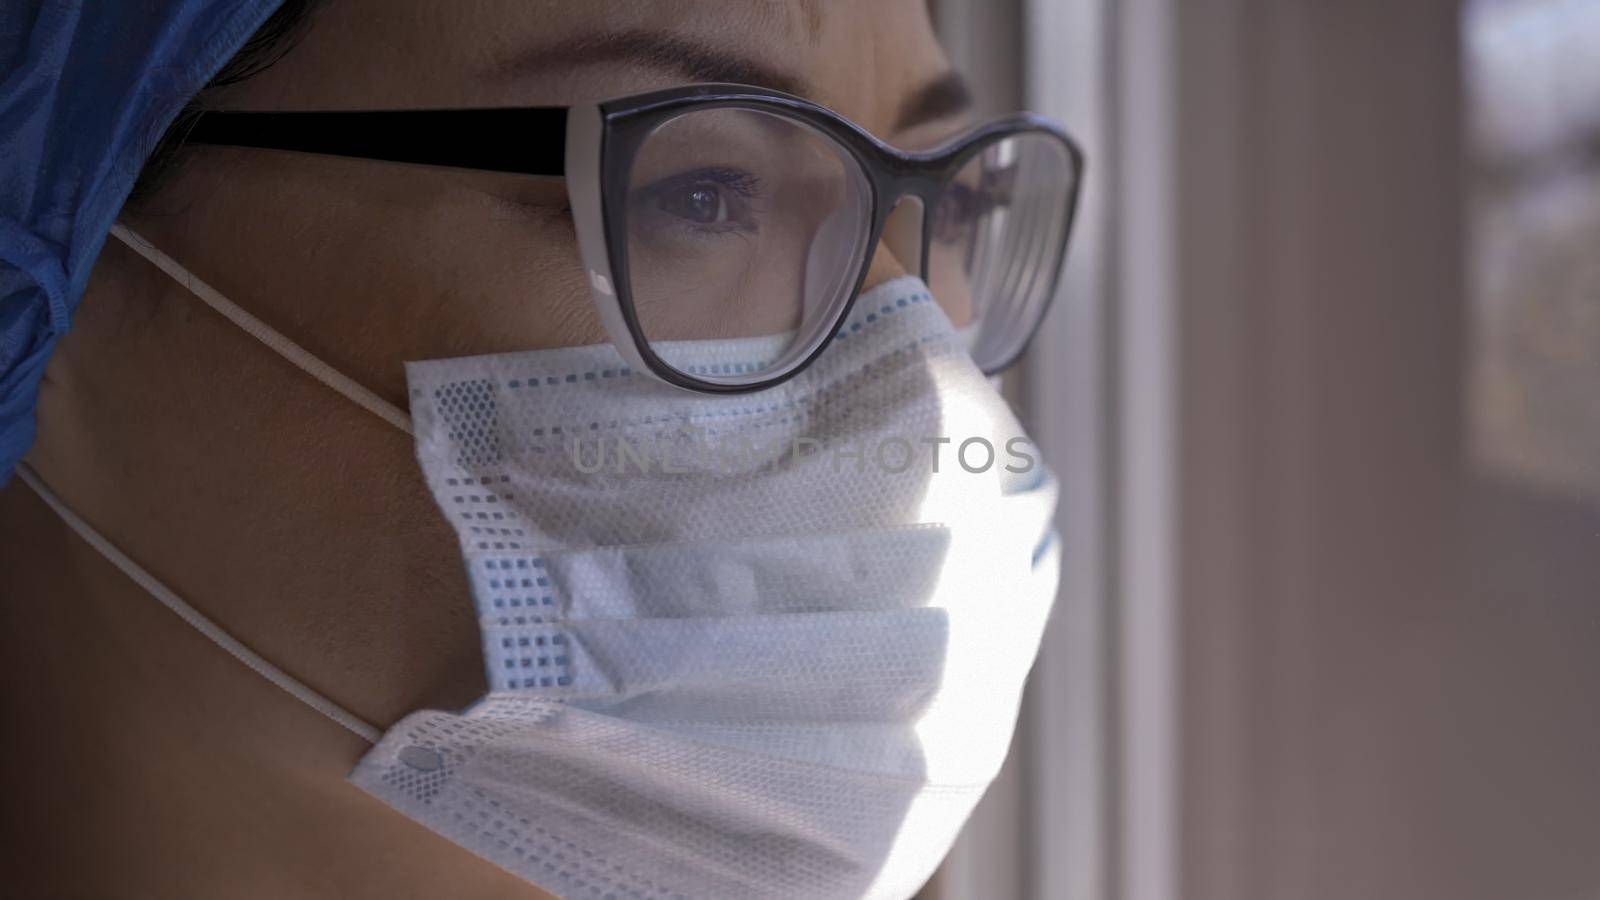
column 87, row 88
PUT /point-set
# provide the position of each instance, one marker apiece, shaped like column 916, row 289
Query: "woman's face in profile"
column 419, row 263
column 302, row 523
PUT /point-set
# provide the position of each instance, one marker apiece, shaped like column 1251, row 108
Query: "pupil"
column 702, row 205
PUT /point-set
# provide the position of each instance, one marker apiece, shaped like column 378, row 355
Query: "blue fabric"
column 87, row 87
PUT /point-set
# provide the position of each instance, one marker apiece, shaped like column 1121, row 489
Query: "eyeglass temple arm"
column 523, row 140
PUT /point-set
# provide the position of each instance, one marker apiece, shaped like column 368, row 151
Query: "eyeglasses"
column 718, row 211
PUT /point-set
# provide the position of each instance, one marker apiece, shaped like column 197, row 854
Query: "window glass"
column 1533, row 79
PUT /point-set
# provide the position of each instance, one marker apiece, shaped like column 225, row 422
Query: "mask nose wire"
column 301, row 357
column 196, row 619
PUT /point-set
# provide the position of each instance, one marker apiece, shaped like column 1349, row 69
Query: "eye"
column 702, row 203
column 705, row 200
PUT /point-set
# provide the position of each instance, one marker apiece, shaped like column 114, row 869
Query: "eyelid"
column 746, row 184
column 757, row 135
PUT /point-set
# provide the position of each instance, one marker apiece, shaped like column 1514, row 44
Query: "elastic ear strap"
column 261, row 331
column 194, row 617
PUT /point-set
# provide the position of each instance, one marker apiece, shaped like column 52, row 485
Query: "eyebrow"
column 943, row 97
column 697, row 61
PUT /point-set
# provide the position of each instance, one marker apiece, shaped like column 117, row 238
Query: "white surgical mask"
column 749, row 646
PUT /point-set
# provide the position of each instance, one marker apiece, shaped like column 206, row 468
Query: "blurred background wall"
column 1324, row 388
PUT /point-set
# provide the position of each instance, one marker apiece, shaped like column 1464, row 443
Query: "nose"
column 885, row 267
column 899, row 249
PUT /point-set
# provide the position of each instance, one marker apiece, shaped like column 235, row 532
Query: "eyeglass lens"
column 742, row 223
column 996, row 241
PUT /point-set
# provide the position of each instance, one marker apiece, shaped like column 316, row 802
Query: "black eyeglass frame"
column 593, row 146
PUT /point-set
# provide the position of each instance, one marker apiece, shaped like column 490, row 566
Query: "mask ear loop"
column 306, row 362
column 196, row 619
column 266, row 334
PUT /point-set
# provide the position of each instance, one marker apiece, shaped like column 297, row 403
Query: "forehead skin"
column 861, row 59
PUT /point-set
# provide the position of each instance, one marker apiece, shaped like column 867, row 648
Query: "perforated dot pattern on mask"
column 470, row 408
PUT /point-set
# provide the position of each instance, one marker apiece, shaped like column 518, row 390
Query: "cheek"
column 453, row 265
column 950, row 284
column 488, row 282
column 369, row 265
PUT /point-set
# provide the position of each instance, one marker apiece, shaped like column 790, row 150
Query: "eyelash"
column 746, row 184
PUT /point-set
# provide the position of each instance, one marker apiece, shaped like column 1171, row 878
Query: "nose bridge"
column 922, row 183
column 905, row 227
column 905, row 232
